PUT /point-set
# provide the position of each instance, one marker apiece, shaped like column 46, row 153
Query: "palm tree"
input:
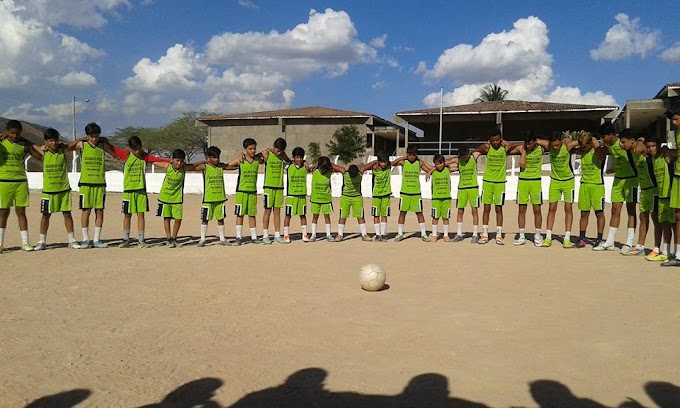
column 491, row 92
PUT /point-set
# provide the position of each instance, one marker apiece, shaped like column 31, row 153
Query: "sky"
column 145, row 62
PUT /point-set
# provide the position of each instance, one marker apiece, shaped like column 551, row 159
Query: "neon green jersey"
column 532, row 168
column 247, row 176
column 321, row 187
column 591, row 169
column 273, row 171
column 662, row 173
column 12, row 156
column 351, row 187
column 410, row 178
column 172, row 190
column 55, row 177
column 382, row 182
column 468, row 173
column 297, row 181
column 494, row 170
column 441, row 183
column 645, row 171
column 560, row 164
column 134, row 174
column 624, row 165
column 213, row 184
column 92, row 170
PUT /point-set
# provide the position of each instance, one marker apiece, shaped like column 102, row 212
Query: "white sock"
column 2, row 236
column 85, row 235
column 485, row 229
column 141, row 236
column 521, row 233
column 400, row 229
column 499, row 231
column 664, row 248
column 304, row 230
column 631, row 237
column 328, row 230
column 362, row 229
column 265, row 233
column 376, row 227
column 434, row 229
column 459, row 228
column 446, row 230
column 286, row 231
column 475, row 230
column 126, row 234
column 204, row 231
column 612, row 236
column 43, row 238
column 537, row 234
column 567, row 235
column 677, row 250
column 97, row 234
column 423, row 232
column 277, row 234
column 341, row 229
column 24, row 237
column 253, row 233
column 383, row 228
column 548, row 234
column 220, row 232
column 313, row 229
column 239, row 231
column 71, row 237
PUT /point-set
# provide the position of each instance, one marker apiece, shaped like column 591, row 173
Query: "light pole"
column 73, row 100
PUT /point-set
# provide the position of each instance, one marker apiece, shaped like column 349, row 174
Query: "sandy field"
column 460, row 325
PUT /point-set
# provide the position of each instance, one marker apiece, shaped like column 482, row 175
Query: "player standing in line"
column 663, row 215
column 322, row 200
column 296, row 200
column 214, row 194
column 674, row 116
column 649, row 192
column 493, row 182
column 382, row 192
column 591, row 189
column 468, row 192
column 440, row 174
column 351, row 200
column 411, row 199
column 14, row 181
column 529, row 187
column 56, row 195
column 248, row 164
column 625, row 186
column 274, row 160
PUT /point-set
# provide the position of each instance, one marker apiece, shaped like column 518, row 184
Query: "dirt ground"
column 460, row 325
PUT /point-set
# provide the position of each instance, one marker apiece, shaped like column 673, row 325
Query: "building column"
column 405, row 138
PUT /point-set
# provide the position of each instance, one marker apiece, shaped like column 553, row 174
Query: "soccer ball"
column 371, row 277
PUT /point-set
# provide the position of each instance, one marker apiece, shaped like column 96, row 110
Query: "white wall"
column 194, row 184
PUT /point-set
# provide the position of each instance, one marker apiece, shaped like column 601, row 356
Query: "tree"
column 491, row 92
column 347, row 143
column 313, row 152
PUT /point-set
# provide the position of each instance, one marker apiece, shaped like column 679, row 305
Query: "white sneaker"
column 74, row 245
column 519, row 241
column 604, row 246
column 40, row 246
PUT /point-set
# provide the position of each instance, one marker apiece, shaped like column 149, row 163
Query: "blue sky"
column 143, row 62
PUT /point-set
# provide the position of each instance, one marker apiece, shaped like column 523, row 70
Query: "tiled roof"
column 306, row 112
column 510, row 106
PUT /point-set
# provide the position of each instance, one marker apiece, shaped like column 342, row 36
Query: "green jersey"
column 560, row 164
column 662, row 173
column 645, row 171
column 247, row 176
column 494, row 170
column 12, row 156
column 410, row 178
column 591, row 169
column 297, row 181
column 351, row 187
column 624, row 165
column 273, row 171
column 532, row 167
column 213, row 184
column 321, row 187
column 441, row 183
column 55, row 178
column 382, row 183
column 134, row 174
column 172, row 190
column 468, row 174
column 92, row 170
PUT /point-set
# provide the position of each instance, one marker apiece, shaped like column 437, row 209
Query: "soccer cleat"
column 124, row 244
column 286, row 239
column 483, row 239
column 460, row 238
column 399, row 238
column 474, row 240
column 671, row 262
column 40, row 246
column 201, row 243
column 169, row 243
column 27, row 248
column 546, row 243
column 425, row 238
column 100, row 244
column 500, row 240
column 256, row 241
column 172, row 243
column 604, row 246
column 581, row 243
column 312, row 238
column 338, row 238
column 657, row 257
column 305, row 238
column 224, row 242
column 74, row 245
column 329, row 238
column 433, row 238
column 142, row 244
column 637, row 250
column 447, row 238
column 366, row 238
column 85, row 244
column 625, row 250
column 538, row 242
column 566, row 244
column 265, row 240
column 237, row 241
column 280, row 240
column 519, row 241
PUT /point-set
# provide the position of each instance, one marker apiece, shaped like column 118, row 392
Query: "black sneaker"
column 671, row 262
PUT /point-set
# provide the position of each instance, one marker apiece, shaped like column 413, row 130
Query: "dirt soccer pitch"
column 460, row 325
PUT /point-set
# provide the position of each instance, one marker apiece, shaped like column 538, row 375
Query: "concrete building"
column 299, row 127
column 648, row 116
column 472, row 122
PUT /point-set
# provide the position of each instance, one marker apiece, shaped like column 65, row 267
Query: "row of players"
column 638, row 163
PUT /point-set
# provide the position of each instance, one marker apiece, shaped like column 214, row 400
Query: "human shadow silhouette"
column 194, row 394
column 664, row 394
column 431, row 390
column 553, row 394
column 303, row 388
column 66, row 399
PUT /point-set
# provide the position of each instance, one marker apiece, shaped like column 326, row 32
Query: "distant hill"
column 31, row 131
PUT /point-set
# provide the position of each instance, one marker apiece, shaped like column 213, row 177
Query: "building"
column 472, row 122
column 648, row 116
column 300, row 127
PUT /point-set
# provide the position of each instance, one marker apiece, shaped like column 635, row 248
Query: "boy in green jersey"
column 351, row 201
column 274, row 160
column 172, row 194
column 644, row 154
column 56, row 195
column 625, row 186
column 321, row 195
column 468, row 192
column 529, row 187
column 562, row 185
column 591, row 189
column 14, row 181
column 674, row 117
column 135, row 199
column 296, row 198
column 493, row 182
column 411, row 198
column 92, row 183
column 663, row 215
column 214, row 194
column 248, row 164
column 440, row 174
column 381, row 194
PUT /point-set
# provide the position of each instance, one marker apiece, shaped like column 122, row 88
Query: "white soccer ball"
column 371, row 277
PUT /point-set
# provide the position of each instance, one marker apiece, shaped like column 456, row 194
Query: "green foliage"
column 347, row 143
column 572, row 134
column 313, row 152
column 491, row 92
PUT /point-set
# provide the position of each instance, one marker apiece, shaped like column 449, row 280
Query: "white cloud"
column 625, row 39
column 81, row 13
column 672, row 54
column 247, row 4
column 379, row 42
column 401, row 48
column 517, row 60
column 75, row 79
column 61, row 112
column 379, row 85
